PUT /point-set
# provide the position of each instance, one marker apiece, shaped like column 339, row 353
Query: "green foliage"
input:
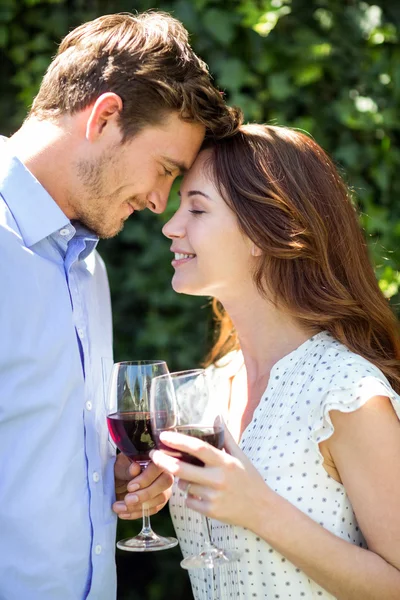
column 327, row 66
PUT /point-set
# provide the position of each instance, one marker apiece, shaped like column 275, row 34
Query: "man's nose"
column 157, row 201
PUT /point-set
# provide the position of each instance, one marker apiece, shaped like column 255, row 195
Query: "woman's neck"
column 266, row 334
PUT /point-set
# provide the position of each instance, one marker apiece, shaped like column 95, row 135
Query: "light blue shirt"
column 57, row 529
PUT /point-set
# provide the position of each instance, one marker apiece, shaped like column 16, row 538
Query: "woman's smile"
column 181, row 257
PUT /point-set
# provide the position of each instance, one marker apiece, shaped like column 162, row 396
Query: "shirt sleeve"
column 349, row 393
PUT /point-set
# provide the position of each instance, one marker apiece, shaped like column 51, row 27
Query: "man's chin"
column 106, row 233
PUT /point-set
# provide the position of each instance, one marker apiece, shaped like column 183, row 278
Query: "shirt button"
column 89, row 405
column 98, row 549
column 96, row 477
column 81, row 333
column 64, row 231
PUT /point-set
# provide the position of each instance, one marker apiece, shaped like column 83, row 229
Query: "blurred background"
column 330, row 67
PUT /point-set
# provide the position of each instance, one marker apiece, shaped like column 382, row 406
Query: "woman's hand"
column 228, row 488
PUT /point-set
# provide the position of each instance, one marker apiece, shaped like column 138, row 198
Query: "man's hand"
column 151, row 486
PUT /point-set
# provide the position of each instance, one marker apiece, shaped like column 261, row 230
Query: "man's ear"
column 103, row 113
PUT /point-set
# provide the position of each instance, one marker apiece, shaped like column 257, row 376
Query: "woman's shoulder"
column 343, row 381
column 339, row 367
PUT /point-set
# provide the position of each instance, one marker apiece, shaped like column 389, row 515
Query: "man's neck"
column 45, row 148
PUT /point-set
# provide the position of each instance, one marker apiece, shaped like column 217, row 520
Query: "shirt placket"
column 74, row 272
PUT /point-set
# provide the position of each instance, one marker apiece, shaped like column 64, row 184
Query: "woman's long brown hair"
column 291, row 202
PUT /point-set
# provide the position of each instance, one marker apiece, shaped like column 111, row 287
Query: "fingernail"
column 131, row 498
column 132, row 487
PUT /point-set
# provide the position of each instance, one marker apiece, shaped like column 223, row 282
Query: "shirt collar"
column 36, row 213
column 90, row 239
column 74, row 239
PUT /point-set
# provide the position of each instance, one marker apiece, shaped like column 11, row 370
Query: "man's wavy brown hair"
column 291, row 202
column 146, row 59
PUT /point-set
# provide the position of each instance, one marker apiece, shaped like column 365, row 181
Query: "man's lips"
column 135, row 204
column 129, row 209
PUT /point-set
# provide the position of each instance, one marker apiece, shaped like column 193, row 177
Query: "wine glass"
column 182, row 402
column 128, row 419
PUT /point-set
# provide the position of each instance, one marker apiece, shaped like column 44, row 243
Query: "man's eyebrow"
column 196, row 193
column 183, row 168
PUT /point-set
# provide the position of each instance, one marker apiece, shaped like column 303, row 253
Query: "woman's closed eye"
column 196, row 212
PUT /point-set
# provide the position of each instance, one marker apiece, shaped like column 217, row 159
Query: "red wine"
column 131, row 432
column 212, row 435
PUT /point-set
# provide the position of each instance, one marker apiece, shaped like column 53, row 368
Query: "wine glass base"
column 210, row 559
column 147, row 543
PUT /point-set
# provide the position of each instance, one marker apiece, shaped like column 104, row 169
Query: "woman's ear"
column 255, row 250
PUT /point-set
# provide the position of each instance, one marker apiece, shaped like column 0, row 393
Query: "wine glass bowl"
column 129, row 424
column 178, row 404
column 213, row 435
column 131, row 433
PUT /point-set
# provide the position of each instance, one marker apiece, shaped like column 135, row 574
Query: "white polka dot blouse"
column 282, row 440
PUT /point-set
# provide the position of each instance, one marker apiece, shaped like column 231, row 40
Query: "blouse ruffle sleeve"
column 347, row 395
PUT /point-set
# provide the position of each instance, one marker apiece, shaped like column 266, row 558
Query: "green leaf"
column 3, row 36
column 280, row 87
column 220, row 24
column 308, row 74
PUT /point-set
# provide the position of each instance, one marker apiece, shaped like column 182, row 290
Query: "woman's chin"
column 184, row 288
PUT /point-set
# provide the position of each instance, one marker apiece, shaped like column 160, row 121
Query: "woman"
column 309, row 488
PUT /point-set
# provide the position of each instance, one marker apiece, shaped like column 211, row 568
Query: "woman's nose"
column 174, row 228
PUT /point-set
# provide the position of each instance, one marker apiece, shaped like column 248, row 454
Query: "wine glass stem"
column 210, row 543
column 208, row 546
column 146, row 526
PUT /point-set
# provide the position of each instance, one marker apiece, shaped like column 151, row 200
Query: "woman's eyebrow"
column 196, row 193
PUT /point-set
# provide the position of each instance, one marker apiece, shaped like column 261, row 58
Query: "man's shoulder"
column 9, row 232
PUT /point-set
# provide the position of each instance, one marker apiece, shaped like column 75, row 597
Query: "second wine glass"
column 128, row 419
column 182, row 402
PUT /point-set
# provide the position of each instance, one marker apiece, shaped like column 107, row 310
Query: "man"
column 122, row 110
